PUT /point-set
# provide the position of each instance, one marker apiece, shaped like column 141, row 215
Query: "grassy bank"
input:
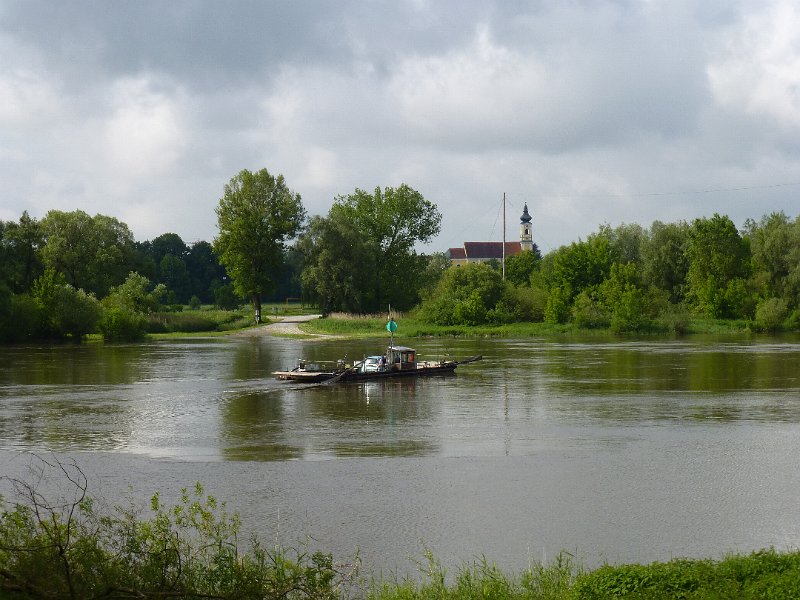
column 764, row 574
column 208, row 320
column 410, row 326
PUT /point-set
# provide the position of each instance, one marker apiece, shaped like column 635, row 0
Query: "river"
column 611, row 450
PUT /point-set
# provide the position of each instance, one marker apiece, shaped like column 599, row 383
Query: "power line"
column 678, row 193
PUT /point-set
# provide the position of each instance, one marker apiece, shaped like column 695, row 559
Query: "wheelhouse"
column 401, row 358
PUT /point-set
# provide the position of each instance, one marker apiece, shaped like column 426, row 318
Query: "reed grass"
column 199, row 321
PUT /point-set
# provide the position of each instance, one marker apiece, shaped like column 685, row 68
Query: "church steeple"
column 526, row 230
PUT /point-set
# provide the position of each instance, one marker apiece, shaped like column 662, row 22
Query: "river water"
column 610, row 450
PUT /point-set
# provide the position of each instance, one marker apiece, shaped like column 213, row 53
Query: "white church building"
column 478, row 252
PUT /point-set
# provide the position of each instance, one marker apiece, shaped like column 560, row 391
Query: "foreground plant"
column 56, row 545
column 482, row 580
column 64, row 548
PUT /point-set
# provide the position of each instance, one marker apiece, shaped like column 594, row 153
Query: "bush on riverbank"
column 68, row 549
column 764, row 574
column 65, row 547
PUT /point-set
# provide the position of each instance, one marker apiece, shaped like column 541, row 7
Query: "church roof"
column 526, row 217
column 456, row 253
column 487, row 250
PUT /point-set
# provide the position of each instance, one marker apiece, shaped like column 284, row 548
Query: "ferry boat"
column 399, row 361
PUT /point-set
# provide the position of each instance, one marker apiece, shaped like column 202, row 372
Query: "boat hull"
column 442, row 369
column 322, row 376
column 304, row 376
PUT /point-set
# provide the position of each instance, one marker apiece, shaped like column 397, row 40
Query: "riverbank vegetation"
column 58, row 543
column 71, row 274
column 412, row 326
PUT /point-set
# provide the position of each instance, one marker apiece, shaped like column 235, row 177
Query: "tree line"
column 70, row 273
column 630, row 278
column 61, row 275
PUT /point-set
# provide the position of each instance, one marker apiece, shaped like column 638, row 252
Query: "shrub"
column 464, row 296
column 6, row 324
column 75, row 312
column 225, row 298
column 25, row 320
column 520, row 304
column 194, row 303
column 674, row 319
column 627, row 315
column 67, row 549
column 793, row 320
column 558, row 305
column 770, row 314
column 738, row 301
column 588, row 312
column 179, row 322
column 439, row 310
column 135, row 295
column 120, row 325
column 470, row 311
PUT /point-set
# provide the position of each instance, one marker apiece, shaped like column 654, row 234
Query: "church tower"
column 526, row 231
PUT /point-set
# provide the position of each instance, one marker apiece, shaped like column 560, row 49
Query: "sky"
column 592, row 112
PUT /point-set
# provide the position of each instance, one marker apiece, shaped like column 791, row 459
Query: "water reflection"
column 215, row 399
column 667, row 367
column 321, row 422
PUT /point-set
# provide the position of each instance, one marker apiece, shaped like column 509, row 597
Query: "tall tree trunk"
column 257, row 307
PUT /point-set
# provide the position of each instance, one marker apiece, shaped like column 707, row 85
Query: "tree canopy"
column 257, row 214
column 361, row 257
column 93, row 253
column 718, row 264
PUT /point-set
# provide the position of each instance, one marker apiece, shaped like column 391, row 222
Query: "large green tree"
column 338, row 266
column 256, row 216
column 20, row 243
column 361, row 257
column 93, row 253
column 719, row 262
column 582, row 265
column 520, row 267
column 205, row 272
column 163, row 259
column 665, row 258
column 626, row 240
column 775, row 248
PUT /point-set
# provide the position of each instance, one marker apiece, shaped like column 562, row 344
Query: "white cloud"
column 144, row 135
column 757, row 70
column 28, row 94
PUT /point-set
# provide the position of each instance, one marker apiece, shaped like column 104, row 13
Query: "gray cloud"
column 590, row 112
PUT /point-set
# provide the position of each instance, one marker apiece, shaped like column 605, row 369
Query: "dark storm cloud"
column 209, row 42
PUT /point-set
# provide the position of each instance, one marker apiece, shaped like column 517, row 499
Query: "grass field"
column 409, row 326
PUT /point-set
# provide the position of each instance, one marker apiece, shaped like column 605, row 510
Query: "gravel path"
column 284, row 326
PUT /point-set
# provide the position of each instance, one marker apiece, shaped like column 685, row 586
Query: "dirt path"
column 284, row 326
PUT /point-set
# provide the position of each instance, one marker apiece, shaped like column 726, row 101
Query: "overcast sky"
column 590, row 111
